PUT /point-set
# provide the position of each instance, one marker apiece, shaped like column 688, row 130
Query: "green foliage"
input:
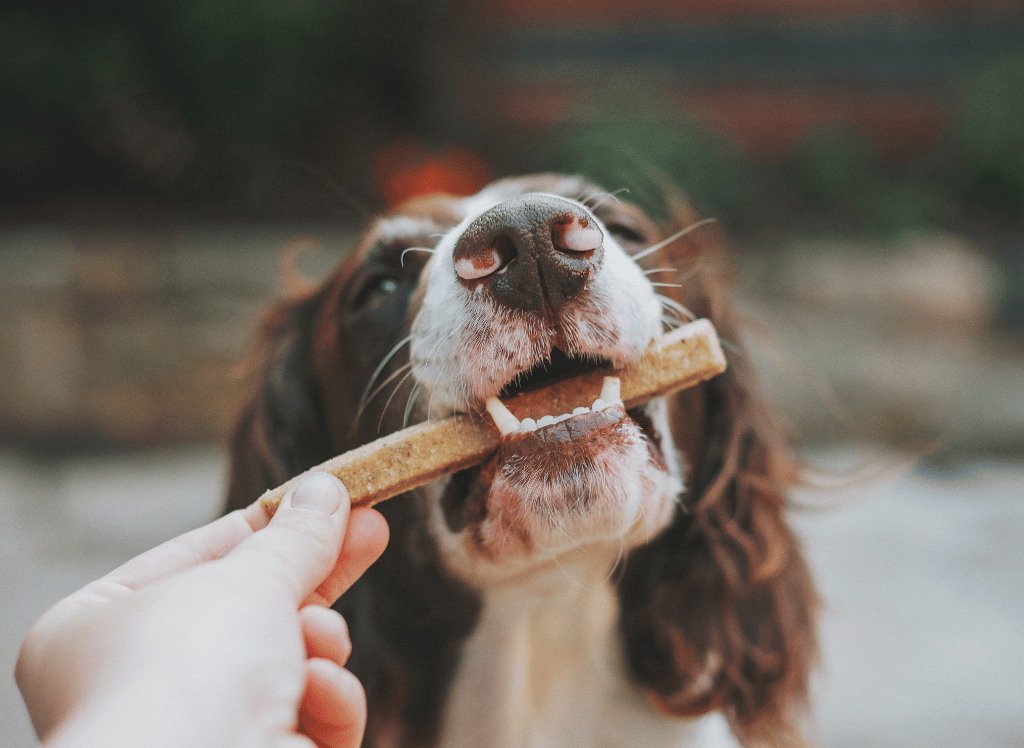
column 893, row 206
column 241, row 67
column 989, row 137
column 251, row 67
column 108, row 92
column 838, row 170
column 834, row 165
column 979, row 164
column 50, row 68
column 643, row 153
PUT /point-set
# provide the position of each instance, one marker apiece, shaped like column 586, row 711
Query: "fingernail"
column 319, row 492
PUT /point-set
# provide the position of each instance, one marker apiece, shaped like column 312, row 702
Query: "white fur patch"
column 543, row 670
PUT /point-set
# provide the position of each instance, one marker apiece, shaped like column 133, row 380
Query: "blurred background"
column 865, row 158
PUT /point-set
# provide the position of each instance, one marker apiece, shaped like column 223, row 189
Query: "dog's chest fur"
column 543, row 669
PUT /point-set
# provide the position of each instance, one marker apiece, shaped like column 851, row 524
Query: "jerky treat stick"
column 420, row 454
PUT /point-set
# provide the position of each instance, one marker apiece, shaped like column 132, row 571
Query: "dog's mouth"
column 555, row 430
column 558, row 366
column 552, row 465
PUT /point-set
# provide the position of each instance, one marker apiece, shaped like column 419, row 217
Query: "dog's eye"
column 375, row 290
column 625, row 234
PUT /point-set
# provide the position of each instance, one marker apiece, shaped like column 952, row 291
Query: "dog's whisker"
column 686, row 273
column 413, row 395
column 678, row 235
column 671, row 323
column 430, row 357
column 620, row 558
column 674, row 306
column 666, row 285
column 621, row 554
column 404, row 379
column 679, row 318
column 401, row 259
column 674, row 321
column 405, row 368
column 606, row 197
column 377, row 372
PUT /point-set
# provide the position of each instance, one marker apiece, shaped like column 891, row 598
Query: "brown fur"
column 731, row 584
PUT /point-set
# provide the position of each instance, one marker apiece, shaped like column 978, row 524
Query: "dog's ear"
column 717, row 611
column 281, row 430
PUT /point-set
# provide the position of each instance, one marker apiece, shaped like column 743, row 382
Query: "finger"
column 300, row 546
column 333, row 710
column 325, row 634
column 365, row 540
column 255, row 515
column 294, row 741
column 206, row 543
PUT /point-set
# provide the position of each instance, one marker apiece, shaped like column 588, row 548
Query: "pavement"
column 922, row 572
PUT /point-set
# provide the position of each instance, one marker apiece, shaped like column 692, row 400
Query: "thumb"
column 300, row 546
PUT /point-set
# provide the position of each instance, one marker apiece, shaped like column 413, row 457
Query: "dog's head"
column 446, row 302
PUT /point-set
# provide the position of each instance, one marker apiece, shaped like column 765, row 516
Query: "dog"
column 638, row 586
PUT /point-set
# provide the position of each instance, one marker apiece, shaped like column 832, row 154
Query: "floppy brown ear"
column 281, row 430
column 718, row 611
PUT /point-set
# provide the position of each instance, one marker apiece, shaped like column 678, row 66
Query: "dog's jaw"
column 536, row 513
column 610, row 489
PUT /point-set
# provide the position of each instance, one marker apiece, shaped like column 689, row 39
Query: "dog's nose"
column 533, row 252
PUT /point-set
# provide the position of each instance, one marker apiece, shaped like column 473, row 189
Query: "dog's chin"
column 596, row 481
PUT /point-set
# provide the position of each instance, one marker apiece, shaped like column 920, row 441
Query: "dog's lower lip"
column 562, row 433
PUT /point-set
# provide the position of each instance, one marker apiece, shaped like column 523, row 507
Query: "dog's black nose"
column 533, row 252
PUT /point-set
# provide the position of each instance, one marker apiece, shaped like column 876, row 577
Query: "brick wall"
column 764, row 73
column 131, row 337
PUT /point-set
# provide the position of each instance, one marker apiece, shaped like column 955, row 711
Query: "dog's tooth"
column 563, row 417
column 580, row 411
column 599, row 404
column 611, row 390
column 503, row 418
column 545, row 421
column 528, row 424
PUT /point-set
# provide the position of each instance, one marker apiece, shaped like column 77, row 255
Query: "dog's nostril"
column 485, row 259
column 576, row 235
column 479, row 265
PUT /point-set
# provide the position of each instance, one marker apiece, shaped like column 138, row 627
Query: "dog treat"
column 427, row 451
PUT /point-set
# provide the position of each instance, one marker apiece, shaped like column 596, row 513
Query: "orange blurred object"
column 405, row 168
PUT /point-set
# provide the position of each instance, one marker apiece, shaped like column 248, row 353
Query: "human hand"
column 219, row 637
